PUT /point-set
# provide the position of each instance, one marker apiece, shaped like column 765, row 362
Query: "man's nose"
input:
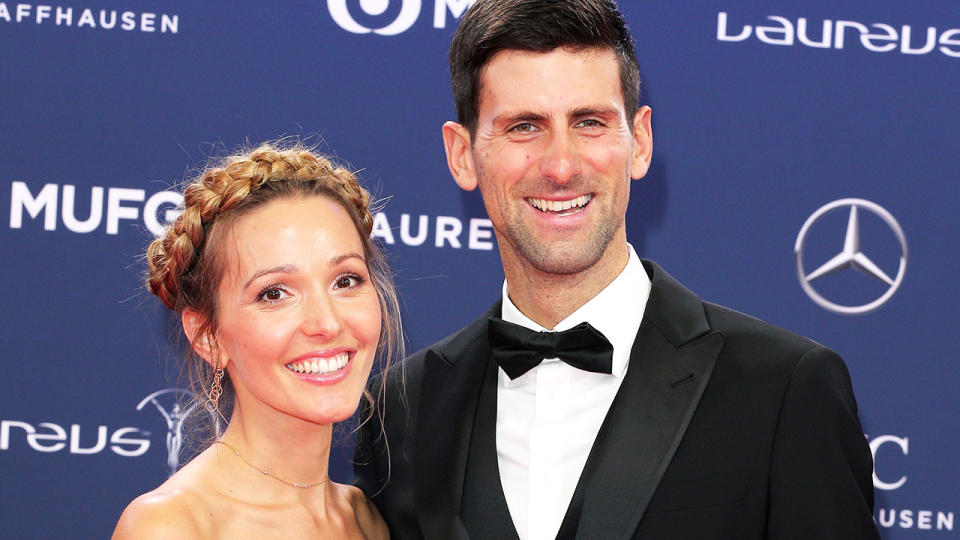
column 560, row 161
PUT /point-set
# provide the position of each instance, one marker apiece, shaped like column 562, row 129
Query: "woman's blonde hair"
column 186, row 264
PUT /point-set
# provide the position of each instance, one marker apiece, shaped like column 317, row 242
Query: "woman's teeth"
column 317, row 366
column 545, row 205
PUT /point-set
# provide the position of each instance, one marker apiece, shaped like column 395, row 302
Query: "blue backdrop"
column 764, row 114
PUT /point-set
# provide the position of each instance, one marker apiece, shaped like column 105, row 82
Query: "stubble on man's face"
column 552, row 128
column 558, row 257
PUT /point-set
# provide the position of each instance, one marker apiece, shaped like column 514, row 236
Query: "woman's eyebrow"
column 282, row 269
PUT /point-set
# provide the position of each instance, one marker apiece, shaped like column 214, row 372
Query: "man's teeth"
column 545, row 205
column 316, row 366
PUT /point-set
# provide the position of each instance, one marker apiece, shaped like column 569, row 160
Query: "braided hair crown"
column 220, row 193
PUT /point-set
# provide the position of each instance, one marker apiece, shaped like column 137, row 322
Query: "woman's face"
column 299, row 317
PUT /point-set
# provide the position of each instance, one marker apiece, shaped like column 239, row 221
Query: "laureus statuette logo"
column 175, row 405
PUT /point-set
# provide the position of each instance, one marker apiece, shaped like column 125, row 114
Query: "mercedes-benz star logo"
column 851, row 256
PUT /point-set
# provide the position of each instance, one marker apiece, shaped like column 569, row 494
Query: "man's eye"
column 525, row 127
column 589, row 122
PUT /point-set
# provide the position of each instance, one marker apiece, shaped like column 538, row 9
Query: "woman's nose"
column 320, row 316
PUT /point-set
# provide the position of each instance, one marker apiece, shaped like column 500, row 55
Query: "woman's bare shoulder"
column 166, row 512
column 365, row 512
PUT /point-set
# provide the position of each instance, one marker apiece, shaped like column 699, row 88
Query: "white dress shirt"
column 548, row 418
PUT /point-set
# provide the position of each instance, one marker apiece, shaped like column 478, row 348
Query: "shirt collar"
column 616, row 311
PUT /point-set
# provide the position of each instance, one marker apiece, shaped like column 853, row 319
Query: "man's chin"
column 562, row 260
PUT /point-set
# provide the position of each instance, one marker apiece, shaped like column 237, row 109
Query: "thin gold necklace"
column 265, row 472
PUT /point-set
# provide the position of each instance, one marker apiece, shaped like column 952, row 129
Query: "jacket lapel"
column 452, row 378
column 670, row 364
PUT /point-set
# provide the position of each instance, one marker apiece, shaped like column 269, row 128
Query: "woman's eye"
column 346, row 281
column 272, row 294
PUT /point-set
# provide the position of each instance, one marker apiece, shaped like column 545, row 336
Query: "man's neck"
column 548, row 298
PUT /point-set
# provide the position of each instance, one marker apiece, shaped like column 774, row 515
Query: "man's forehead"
column 522, row 78
column 591, row 53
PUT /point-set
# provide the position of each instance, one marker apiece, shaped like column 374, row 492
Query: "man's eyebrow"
column 594, row 111
column 513, row 118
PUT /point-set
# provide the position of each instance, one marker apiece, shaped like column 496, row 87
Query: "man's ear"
column 203, row 344
column 642, row 143
column 456, row 143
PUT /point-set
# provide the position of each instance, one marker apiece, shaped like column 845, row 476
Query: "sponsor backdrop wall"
column 805, row 171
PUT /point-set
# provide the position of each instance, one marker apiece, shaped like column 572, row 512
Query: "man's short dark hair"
column 490, row 26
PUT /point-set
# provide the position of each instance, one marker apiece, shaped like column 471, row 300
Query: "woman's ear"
column 201, row 341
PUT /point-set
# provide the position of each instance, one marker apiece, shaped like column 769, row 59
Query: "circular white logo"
column 850, row 256
column 409, row 11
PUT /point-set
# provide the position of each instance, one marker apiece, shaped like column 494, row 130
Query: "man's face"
column 553, row 155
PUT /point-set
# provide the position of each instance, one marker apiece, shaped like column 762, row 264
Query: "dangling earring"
column 216, row 390
column 213, row 400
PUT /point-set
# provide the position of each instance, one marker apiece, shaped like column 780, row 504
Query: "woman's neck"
column 290, row 450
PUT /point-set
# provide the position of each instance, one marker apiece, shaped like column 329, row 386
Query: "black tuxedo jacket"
column 724, row 427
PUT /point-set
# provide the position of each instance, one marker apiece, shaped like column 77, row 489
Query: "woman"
column 286, row 302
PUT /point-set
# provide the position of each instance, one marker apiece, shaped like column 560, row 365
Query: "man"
column 701, row 423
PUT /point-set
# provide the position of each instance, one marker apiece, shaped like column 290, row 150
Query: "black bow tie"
column 518, row 350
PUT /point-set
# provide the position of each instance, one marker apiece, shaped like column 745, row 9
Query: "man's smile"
column 567, row 207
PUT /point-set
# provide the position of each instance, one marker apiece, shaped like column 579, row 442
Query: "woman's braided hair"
column 186, row 264
column 245, row 181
